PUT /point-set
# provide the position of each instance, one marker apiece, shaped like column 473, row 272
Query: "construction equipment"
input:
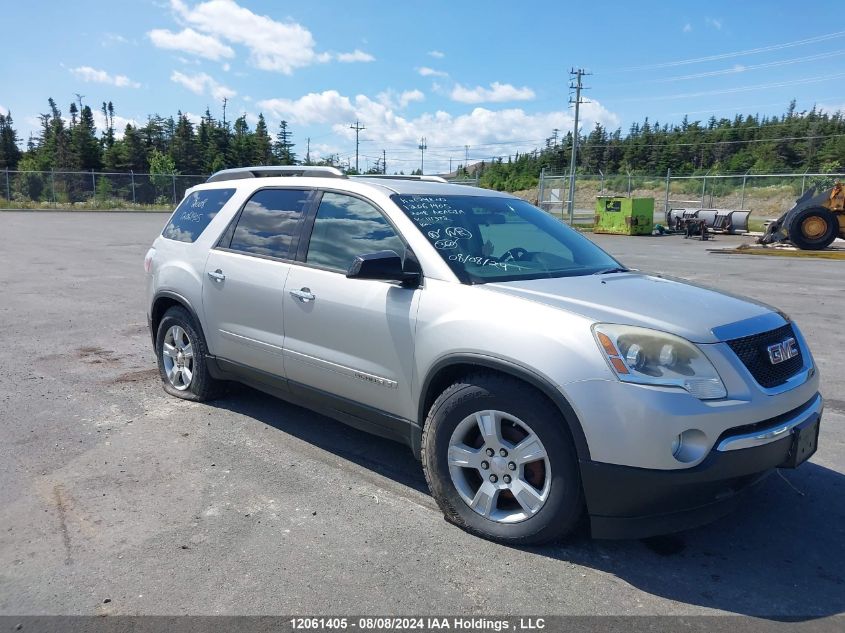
column 624, row 216
column 813, row 223
column 721, row 220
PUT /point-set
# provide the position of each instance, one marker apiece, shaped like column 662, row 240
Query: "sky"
column 490, row 75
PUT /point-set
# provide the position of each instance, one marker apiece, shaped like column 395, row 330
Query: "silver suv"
column 536, row 378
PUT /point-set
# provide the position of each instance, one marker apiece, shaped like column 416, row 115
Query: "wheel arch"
column 445, row 371
column 162, row 302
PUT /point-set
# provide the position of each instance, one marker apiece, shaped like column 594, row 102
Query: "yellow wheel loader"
column 813, row 223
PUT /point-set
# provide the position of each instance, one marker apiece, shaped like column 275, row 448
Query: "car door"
column 352, row 338
column 245, row 274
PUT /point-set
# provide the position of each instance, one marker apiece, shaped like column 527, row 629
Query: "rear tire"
column 528, row 491
column 813, row 229
column 182, row 358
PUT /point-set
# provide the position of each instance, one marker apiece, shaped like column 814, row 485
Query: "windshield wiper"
column 608, row 271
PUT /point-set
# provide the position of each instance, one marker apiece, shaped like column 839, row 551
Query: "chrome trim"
column 343, row 370
column 250, row 342
column 773, row 433
column 749, row 327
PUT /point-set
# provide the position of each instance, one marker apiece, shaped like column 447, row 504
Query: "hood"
column 659, row 303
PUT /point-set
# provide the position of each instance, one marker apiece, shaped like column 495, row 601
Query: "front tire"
column 182, row 358
column 500, row 462
column 813, row 229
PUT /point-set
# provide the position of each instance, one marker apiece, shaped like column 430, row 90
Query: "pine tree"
column 183, row 147
column 283, row 147
column 262, row 146
column 85, row 146
column 242, row 148
column 10, row 153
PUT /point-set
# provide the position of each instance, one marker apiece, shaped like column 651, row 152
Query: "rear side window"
column 269, row 223
column 194, row 213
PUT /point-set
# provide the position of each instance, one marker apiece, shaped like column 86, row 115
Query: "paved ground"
column 110, row 490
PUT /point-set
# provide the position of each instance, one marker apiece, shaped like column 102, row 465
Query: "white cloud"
column 355, row 56
column 425, row 71
column 202, row 83
column 110, row 39
column 716, row 24
column 273, row 45
column 496, row 93
column 410, row 95
column 391, row 99
column 120, row 123
column 829, row 108
column 4, row 110
column 88, row 74
column 488, row 132
column 191, row 42
column 437, row 54
column 687, row 28
column 194, row 118
column 321, row 107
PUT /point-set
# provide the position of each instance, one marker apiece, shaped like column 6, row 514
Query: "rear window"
column 194, row 213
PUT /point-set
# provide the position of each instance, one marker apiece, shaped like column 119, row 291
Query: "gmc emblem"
column 782, row 351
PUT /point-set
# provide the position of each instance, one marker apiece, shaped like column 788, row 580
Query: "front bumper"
column 628, row 502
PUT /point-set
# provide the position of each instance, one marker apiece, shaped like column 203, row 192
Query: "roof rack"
column 403, row 177
column 275, row 171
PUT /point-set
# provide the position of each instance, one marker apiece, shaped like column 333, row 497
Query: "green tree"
column 262, row 151
column 162, row 171
column 283, row 147
column 10, row 153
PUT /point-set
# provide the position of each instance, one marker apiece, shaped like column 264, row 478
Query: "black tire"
column 201, row 386
column 564, row 505
column 818, row 241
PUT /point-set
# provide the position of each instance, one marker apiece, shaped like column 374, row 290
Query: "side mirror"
column 384, row 265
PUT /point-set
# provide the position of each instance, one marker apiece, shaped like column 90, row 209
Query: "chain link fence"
column 764, row 195
column 93, row 190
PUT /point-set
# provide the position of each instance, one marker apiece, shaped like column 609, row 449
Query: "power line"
column 754, row 140
column 750, row 51
column 707, row 93
column 741, row 69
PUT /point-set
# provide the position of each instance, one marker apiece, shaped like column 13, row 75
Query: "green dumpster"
column 624, row 216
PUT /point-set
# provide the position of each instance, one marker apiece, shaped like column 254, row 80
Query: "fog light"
column 676, row 445
column 689, row 446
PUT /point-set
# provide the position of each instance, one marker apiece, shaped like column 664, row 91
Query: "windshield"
column 487, row 238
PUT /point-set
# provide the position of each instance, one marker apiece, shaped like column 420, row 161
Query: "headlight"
column 650, row 357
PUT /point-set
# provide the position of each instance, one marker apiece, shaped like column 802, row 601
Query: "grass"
column 90, row 205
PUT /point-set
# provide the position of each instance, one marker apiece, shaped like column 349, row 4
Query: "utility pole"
column 384, row 161
column 357, row 127
column 422, row 147
column 225, row 101
column 308, row 151
column 575, row 84
column 466, row 158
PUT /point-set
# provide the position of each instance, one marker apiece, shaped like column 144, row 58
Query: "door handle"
column 304, row 295
column 217, row 275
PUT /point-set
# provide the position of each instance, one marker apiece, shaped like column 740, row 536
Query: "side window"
column 194, row 214
column 346, row 227
column 269, row 223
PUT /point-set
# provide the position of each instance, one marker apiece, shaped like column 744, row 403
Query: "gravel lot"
column 113, row 491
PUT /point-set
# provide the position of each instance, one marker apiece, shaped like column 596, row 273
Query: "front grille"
column 753, row 352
